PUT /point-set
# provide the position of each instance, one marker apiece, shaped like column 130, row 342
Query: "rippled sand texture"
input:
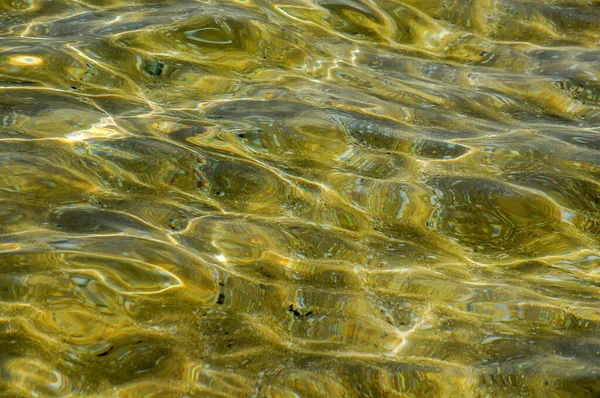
column 332, row 198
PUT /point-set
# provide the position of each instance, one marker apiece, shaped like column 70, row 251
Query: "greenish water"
column 319, row 198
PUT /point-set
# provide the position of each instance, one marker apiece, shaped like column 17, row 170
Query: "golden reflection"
column 299, row 198
column 26, row 60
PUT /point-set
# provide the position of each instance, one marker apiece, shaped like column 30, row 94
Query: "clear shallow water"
column 299, row 198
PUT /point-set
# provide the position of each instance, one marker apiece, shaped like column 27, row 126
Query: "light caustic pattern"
column 334, row 198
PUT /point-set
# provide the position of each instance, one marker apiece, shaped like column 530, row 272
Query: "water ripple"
column 300, row 198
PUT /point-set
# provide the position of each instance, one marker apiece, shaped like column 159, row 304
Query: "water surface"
column 320, row 198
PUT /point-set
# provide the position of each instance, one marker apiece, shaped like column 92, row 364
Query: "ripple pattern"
column 299, row 198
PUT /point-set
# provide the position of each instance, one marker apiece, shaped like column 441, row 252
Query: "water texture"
column 300, row 198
